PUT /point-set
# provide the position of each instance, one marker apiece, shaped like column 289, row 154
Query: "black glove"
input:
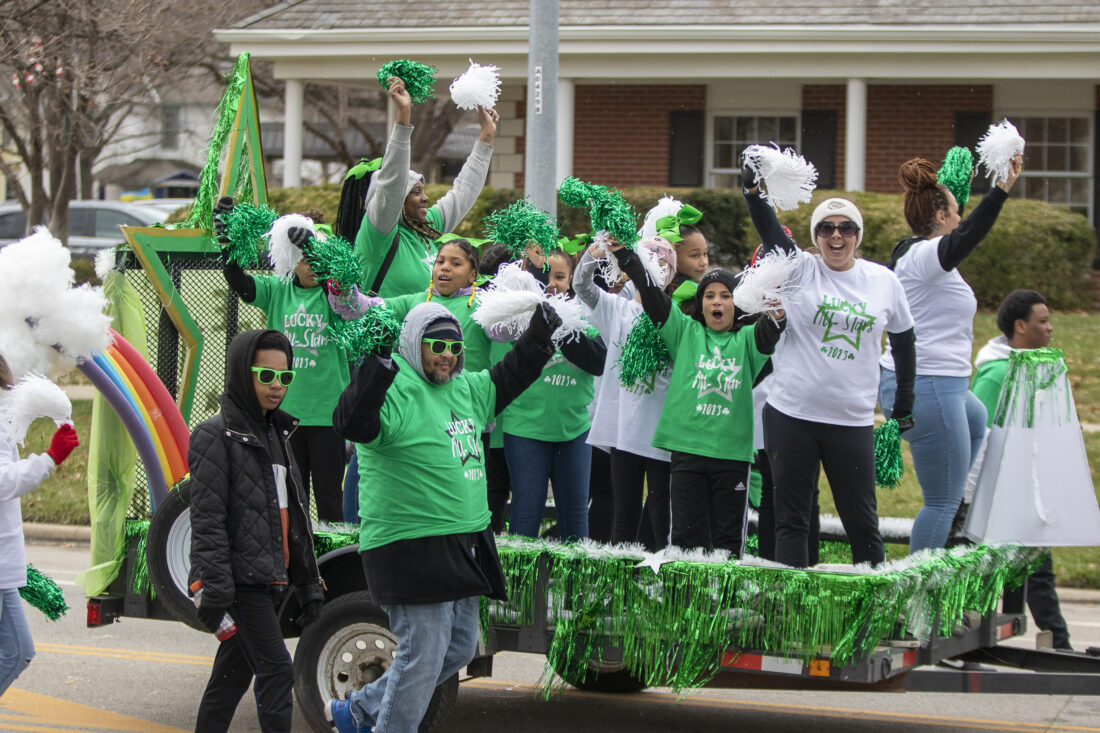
column 222, row 210
column 211, row 616
column 384, row 352
column 904, row 423
column 298, row 236
column 748, row 177
column 310, row 613
column 544, row 321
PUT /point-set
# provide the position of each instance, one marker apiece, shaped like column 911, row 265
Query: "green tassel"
column 889, row 467
column 364, row 336
column 137, row 533
column 644, row 353
column 202, row 211
column 1029, row 372
column 333, row 259
column 607, row 209
column 956, row 173
column 326, row 542
column 419, row 79
column 245, row 226
column 519, row 224
column 44, row 594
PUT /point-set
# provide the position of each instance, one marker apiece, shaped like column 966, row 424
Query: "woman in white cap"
column 396, row 241
column 820, row 409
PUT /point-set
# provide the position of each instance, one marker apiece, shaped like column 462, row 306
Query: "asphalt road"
column 147, row 677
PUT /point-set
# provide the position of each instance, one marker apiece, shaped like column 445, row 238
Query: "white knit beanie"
column 836, row 207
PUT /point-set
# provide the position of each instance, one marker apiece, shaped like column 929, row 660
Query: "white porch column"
column 292, row 134
column 566, row 92
column 855, row 136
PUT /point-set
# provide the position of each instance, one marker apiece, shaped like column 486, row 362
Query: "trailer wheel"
column 168, row 553
column 603, row 677
column 349, row 646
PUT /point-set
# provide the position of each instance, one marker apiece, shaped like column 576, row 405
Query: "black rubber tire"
column 168, row 553
column 347, row 647
column 604, row 677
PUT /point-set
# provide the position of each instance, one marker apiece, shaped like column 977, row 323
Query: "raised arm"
column 903, row 347
column 237, row 279
column 358, row 412
column 655, row 302
column 583, row 284
column 386, row 194
column 457, row 202
column 767, row 329
column 772, row 234
column 956, row 246
column 586, row 352
column 523, row 364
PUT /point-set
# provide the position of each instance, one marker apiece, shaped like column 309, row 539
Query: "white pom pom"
column 104, row 262
column 655, row 274
column 767, row 285
column 282, row 253
column 1000, row 144
column 786, row 178
column 33, row 397
column 479, row 86
column 667, row 206
column 505, row 307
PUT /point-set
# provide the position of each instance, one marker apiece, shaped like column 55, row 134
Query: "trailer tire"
column 603, row 677
column 168, row 553
column 349, row 646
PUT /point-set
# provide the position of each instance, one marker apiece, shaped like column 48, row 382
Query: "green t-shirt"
column 708, row 409
column 410, row 271
column 987, row 386
column 320, row 366
column 555, row 407
column 427, row 473
column 475, row 341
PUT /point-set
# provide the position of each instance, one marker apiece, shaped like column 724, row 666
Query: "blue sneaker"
column 342, row 720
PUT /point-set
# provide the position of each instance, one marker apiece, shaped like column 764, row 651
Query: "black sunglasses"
column 267, row 376
column 846, row 229
column 438, row 346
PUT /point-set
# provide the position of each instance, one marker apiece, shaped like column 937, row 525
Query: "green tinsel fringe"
column 889, row 467
column 955, row 173
column 520, row 223
column 137, row 533
column 245, row 226
column 1029, row 372
column 607, row 209
column 326, row 542
column 366, row 335
column 333, row 259
column 44, row 594
column 419, row 79
column 644, row 353
column 202, row 212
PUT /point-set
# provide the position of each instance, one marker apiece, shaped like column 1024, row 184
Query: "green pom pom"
column 333, row 259
column 364, row 336
column 644, row 354
column 419, row 79
column 888, row 464
column 607, row 209
column 520, row 223
column 956, row 173
column 44, row 594
column 245, row 226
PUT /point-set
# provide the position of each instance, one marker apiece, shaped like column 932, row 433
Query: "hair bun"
column 917, row 174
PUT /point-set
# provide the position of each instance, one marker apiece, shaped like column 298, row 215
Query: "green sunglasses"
column 267, row 376
column 438, row 346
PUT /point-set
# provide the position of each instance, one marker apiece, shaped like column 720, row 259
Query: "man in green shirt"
column 427, row 547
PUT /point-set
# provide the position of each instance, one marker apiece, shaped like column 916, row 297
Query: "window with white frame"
column 1057, row 161
column 731, row 134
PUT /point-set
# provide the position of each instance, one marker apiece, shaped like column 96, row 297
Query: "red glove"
column 62, row 443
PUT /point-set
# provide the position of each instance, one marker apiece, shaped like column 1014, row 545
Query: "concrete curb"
column 34, row 532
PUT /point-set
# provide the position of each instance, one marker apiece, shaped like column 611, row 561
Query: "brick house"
column 667, row 92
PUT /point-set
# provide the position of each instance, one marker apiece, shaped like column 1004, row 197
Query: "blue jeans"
column 531, row 463
column 434, row 641
column 948, row 427
column 16, row 645
column 351, row 490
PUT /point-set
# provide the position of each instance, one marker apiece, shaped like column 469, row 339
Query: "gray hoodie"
column 996, row 349
column 412, row 333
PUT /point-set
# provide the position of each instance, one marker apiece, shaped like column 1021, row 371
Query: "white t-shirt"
column 624, row 418
column 826, row 363
column 17, row 477
column 943, row 307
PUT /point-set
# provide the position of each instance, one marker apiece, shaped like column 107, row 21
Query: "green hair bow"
column 363, row 167
column 449, row 236
column 576, row 244
column 668, row 227
column 686, row 291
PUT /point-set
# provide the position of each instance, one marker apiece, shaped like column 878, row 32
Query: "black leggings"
column 709, row 499
column 631, row 474
column 765, row 516
column 601, row 505
column 498, row 484
column 796, row 448
column 321, row 458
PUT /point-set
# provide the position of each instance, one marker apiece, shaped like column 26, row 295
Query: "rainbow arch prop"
column 147, row 410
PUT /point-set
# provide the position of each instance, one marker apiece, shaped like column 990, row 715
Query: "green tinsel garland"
column 889, row 467
column 607, row 209
column 326, row 542
column 333, row 259
column 202, row 212
column 137, row 533
column 644, row 353
column 1029, row 372
column 364, row 336
column 245, row 226
column 419, row 79
column 42, row 592
column 519, row 224
column 956, row 173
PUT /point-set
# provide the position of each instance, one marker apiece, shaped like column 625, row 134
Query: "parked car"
column 166, row 206
column 93, row 225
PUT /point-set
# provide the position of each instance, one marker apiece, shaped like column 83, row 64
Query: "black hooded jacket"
column 236, row 525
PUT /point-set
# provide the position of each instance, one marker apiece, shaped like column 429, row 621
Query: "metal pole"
column 540, row 162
